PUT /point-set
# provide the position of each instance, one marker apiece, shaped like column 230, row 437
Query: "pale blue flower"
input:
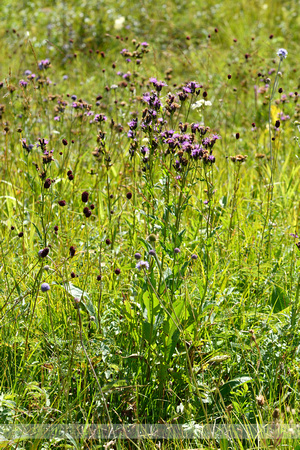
column 282, row 53
column 142, row 265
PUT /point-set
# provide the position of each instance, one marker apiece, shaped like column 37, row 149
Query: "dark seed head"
column 43, row 253
column 85, row 197
column 99, row 278
column 21, row 234
column 117, row 271
column 108, row 241
column 129, row 195
column 47, row 183
column 73, row 275
column 72, row 251
column 65, row 142
column 277, row 123
column 62, row 202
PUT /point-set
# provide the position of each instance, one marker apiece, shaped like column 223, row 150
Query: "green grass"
column 209, row 339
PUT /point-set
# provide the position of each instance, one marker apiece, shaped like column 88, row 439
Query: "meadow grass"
column 149, row 237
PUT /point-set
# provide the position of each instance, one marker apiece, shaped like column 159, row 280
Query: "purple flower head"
column 191, row 87
column 152, row 100
column 131, row 134
column 294, row 235
column 23, row 83
column 74, row 97
column 57, row 118
column 176, row 250
column 152, row 253
column 194, row 256
column 27, row 73
column 42, row 143
column 137, row 256
column 206, row 142
column 133, row 124
column 142, row 265
column 44, row 64
column 45, row 287
column 197, row 152
column 26, row 146
column 100, row 118
column 157, row 84
column 144, row 44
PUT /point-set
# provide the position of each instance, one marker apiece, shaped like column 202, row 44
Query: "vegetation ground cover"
column 150, row 210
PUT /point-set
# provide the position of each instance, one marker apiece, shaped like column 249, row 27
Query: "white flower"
column 200, row 103
column 119, row 23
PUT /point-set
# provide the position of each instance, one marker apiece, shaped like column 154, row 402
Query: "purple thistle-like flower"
column 44, row 64
column 137, row 256
column 100, row 118
column 133, row 124
column 194, row 256
column 152, row 253
column 142, row 265
column 176, row 250
column 131, row 134
column 144, row 44
column 157, row 84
